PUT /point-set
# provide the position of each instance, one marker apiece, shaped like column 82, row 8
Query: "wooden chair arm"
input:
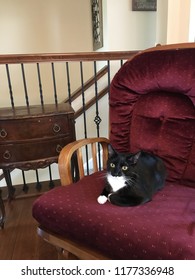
column 75, row 148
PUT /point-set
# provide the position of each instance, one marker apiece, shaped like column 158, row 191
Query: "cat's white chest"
column 116, row 182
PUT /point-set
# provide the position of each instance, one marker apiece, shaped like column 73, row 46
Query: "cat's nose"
column 117, row 174
column 114, row 174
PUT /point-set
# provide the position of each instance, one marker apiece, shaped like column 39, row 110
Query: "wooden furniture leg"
column 11, row 189
column 2, row 209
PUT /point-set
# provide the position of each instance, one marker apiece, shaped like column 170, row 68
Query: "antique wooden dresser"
column 32, row 138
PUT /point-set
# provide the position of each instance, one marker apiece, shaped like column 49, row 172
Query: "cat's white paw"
column 102, row 199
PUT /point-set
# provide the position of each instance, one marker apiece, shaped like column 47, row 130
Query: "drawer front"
column 29, row 151
column 32, row 128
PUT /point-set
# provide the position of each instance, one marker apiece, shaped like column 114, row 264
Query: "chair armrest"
column 75, row 149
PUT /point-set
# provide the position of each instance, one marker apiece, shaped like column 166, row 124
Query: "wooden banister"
column 54, row 57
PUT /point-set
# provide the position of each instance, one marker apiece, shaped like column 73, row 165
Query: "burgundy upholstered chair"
column 152, row 100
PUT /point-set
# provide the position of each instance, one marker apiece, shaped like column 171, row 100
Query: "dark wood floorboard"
column 19, row 239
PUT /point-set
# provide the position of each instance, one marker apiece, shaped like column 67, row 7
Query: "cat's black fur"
column 132, row 179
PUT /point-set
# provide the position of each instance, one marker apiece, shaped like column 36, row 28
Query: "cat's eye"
column 124, row 167
column 112, row 165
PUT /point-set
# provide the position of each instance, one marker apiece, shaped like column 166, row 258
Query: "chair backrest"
column 152, row 108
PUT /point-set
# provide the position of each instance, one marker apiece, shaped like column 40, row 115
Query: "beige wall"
column 30, row 26
column 161, row 23
column 43, row 26
column 178, row 21
column 192, row 22
column 126, row 29
column 173, row 21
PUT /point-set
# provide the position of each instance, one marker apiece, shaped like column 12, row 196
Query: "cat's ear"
column 111, row 151
column 134, row 158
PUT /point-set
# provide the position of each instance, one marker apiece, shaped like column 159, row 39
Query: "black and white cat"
column 132, row 179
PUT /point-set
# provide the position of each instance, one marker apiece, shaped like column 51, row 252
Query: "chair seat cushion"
column 164, row 228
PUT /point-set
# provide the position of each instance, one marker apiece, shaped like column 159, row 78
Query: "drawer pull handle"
column 58, row 148
column 3, row 133
column 56, row 128
column 7, row 155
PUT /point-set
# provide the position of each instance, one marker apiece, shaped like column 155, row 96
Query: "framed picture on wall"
column 97, row 24
column 144, row 5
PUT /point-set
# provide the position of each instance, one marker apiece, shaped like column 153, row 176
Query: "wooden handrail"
column 87, row 85
column 54, row 57
column 83, row 56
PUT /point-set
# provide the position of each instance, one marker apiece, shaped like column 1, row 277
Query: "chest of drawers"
column 32, row 138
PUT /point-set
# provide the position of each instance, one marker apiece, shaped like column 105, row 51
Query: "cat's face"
column 119, row 164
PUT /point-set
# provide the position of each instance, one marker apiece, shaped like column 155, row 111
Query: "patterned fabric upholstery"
column 151, row 108
column 161, row 229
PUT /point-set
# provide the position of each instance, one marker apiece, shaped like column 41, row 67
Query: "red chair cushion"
column 161, row 229
column 152, row 101
column 164, row 124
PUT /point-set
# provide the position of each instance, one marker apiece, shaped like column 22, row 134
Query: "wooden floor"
column 19, row 239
